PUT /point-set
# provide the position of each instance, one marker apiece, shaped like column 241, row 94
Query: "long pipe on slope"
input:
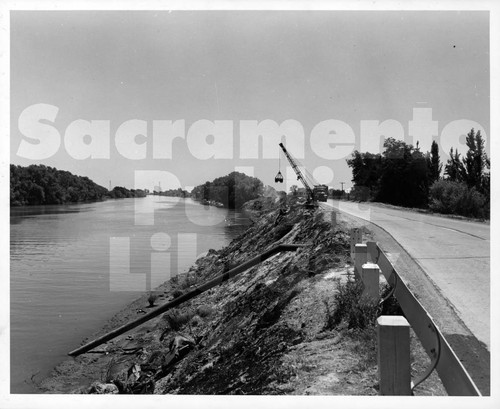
column 185, row 297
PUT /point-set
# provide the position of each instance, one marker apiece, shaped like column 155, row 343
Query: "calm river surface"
column 74, row 266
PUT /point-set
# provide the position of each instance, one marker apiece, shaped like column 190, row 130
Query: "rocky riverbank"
column 269, row 330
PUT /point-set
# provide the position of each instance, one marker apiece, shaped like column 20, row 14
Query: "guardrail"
column 453, row 375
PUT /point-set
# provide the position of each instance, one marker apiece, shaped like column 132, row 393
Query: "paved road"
column 455, row 254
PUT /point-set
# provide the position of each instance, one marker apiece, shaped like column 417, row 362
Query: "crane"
column 315, row 194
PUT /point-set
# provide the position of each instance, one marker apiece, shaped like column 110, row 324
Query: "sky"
column 329, row 77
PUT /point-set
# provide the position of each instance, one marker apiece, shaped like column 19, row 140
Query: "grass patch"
column 188, row 281
column 205, row 310
column 350, row 308
column 355, row 312
column 176, row 320
column 177, row 293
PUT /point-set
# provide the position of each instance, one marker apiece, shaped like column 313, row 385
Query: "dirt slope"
column 263, row 332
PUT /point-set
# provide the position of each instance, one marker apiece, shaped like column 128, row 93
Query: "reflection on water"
column 19, row 214
column 49, row 209
column 63, row 280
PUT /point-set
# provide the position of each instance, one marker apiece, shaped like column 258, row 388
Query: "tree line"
column 43, row 185
column 120, row 192
column 230, row 191
column 403, row 175
column 173, row 193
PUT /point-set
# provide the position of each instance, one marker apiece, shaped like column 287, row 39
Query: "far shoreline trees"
column 404, row 176
column 45, row 185
column 230, row 191
column 172, row 193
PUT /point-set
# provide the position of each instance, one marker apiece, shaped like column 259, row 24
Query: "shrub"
column 204, row 310
column 177, row 293
column 330, row 320
column 450, row 197
column 196, row 321
column 351, row 308
column 176, row 320
column 189, row 280
column 151, row 299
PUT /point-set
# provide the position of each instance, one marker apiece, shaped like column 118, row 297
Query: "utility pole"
column 342, row 183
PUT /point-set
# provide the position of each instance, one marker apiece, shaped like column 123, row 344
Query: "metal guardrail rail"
column 453, row 375
column 185, row 297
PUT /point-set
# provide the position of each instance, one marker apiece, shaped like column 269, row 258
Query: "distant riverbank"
column 43, row 185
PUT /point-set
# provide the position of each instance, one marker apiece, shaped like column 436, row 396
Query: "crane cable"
column 305, row 173
column 310, row 178
column 279, row 177
column 312, row 181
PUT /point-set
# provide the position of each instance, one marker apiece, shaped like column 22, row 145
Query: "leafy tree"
column 435, row 165
column 404, row 177
column 175, row 193
column 399, row 176
column 454, row 168
column 231, row 191
column 472, row 173
column 120, row 192
column 366, row 170
column 475, row 159
column 485, row 181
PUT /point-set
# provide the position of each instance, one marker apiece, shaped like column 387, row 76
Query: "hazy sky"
column 310, row 67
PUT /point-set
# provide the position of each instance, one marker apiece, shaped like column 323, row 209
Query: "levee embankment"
column 267, row 331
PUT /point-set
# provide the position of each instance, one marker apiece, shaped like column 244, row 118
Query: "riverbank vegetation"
column 403, row 175
column 173, row 193
column 120, row 192
column 45, row 185
column 230, row 191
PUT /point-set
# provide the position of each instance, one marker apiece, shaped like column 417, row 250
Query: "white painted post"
column 393, row 332
column 351, row 242
column 372, row 251
column 360, row 254
column 370, row 274
column 334, row 219
column 355, row 238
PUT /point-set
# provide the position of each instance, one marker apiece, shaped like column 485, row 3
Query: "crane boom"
column 297, row 171
column 318, row 192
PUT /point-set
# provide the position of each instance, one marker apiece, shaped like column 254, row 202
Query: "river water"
column 74, row 266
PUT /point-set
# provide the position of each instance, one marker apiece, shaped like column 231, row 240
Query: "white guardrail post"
column 360, row 258
column 393, row 355
column 356, row 237
column 370, row 275
column 372, row 250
